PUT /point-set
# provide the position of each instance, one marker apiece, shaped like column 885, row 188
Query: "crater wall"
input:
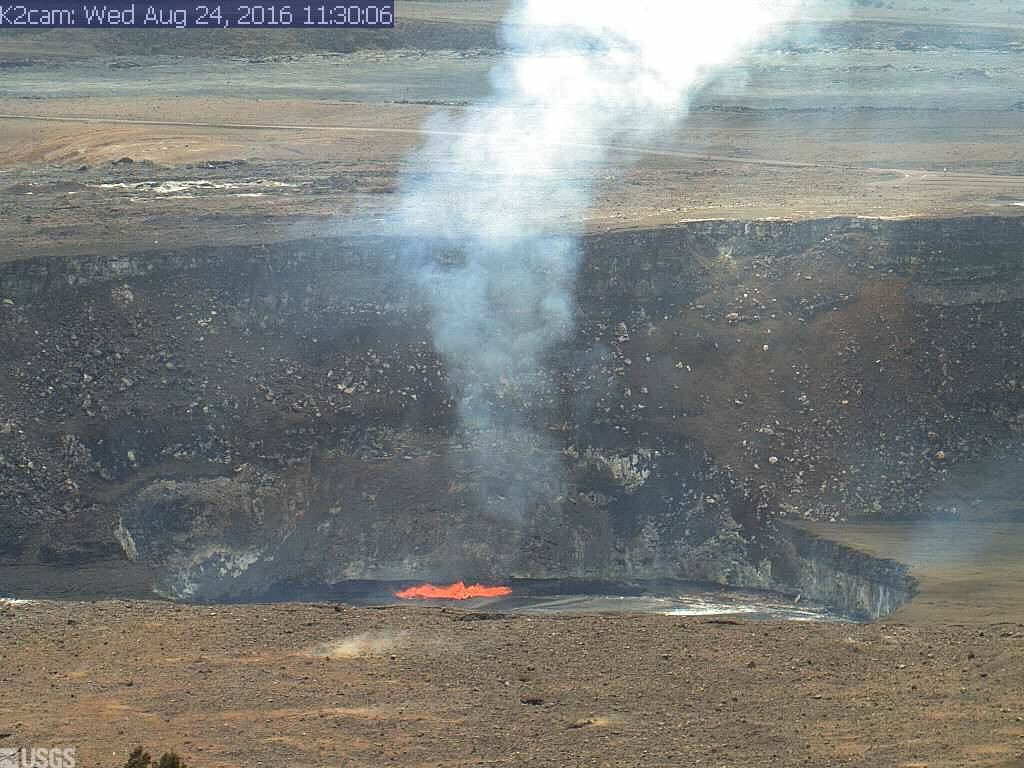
column 238, row 417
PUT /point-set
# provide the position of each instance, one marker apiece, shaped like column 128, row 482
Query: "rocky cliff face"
column 241, row 417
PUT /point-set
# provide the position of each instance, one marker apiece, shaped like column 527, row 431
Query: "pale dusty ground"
column 969, row 573
column 869, row 118
column 758, row 167
column 305, row 685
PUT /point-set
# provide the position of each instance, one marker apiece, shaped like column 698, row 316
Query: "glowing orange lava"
column 456, row 591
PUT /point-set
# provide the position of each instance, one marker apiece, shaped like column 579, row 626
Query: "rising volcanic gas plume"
column 501, row 190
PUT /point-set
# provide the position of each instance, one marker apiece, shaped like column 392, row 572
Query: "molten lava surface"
column 456, row 591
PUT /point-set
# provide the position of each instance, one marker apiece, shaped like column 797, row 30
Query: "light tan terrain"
column 893, row 113
column 715, row 166
column 308, row 685
column 968, row 573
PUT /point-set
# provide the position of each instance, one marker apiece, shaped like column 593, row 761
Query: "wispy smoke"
column 363, row 644
column 497, row 196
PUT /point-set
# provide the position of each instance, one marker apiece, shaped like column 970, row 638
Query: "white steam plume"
column 495, row 184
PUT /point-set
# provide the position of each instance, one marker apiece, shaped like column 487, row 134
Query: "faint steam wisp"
column 493, row 203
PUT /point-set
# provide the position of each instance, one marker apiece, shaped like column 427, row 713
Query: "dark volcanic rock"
column 240, row 417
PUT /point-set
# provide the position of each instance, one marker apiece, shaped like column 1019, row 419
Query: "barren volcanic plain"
column 799, row 322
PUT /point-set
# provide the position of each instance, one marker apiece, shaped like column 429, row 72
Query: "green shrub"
column 141, row 759
column 171, row 760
